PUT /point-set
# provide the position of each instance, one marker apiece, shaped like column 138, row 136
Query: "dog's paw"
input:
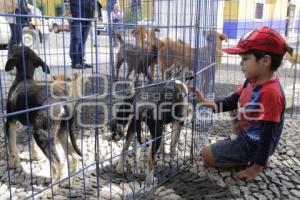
column 14, row 162
column 137, row 169
column 36, row 155
column 74, row 164
column 161, row 151
column 56, row 172
column 173, row 152
column 150, row 179
column 120, row 168
column 67, row 183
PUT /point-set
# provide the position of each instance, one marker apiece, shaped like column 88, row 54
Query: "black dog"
column 25, row 94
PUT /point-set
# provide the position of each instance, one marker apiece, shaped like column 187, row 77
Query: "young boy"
column 260, row 103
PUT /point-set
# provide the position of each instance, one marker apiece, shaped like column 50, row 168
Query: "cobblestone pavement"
column 35, row 176
column 280, row 180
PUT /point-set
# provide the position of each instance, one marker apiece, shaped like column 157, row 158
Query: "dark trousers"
column 15, row 35
column 79, row 34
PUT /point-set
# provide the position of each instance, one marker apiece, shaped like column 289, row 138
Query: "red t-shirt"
column 258, row 103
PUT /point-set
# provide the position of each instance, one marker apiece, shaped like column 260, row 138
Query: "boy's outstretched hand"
column 200, row 99
column 198, row 94
column 250, row 173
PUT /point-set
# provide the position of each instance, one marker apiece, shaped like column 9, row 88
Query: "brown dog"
column 137, row 59
column 219, row 38
column 146, row 37
column 172, row 52
column 211, row 36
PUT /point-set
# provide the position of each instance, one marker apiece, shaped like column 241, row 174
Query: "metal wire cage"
column 90, row 97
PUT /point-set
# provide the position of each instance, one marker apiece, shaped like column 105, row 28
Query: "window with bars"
column 259, row 10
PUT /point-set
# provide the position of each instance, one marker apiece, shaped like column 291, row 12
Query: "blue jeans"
column 79, row 34
column 239, row 150
column 15, row 35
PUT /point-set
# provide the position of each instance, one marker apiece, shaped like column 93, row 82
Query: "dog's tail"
column 119, row 37
column 73, row 140
column 69, row 123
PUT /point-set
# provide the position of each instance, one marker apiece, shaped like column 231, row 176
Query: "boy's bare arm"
column 221, row 105
column 205, row 102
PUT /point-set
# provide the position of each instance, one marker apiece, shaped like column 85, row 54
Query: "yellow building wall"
column 239, row 16
column 245, row 9
column 231, row 9
column 276, row 9
column 103, row 3
column 49, row 6
column 147, row 8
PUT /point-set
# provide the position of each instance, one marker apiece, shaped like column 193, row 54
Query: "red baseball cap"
column 263, row 39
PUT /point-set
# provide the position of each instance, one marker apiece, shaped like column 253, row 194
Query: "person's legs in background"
column 15, row 37
column 86, row 26
column 76, row 37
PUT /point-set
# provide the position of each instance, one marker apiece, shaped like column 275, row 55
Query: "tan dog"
column 220, row 37
column 172, row 52
column 72, row 83
column 210, row 37
column 142, row 36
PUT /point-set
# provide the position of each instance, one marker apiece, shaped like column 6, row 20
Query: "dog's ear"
column 54, row 77
column 69, row 79
column 156, row 30
column 40, row 62
column 133, row 32
column 10, row 63
column 223, row 36
column 181, row 41
column 76, row 75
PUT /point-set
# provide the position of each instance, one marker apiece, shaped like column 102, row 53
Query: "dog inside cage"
column 117, row 99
